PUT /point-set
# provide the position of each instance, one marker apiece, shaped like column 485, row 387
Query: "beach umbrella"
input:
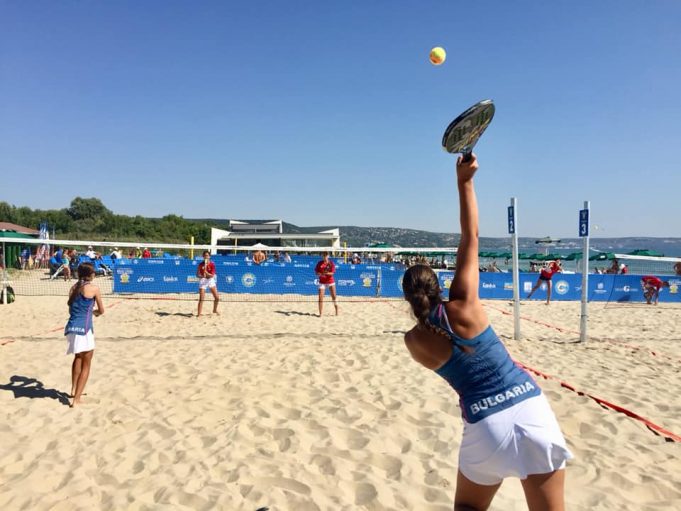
column 574, row 256
column 536, row 257
column 646, row 252
column 550, row 257
column 259, row 246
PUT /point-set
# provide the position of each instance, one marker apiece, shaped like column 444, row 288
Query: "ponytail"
column 85, row 274
column 422, row 291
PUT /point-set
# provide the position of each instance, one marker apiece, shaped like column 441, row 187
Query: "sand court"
column 270, row 406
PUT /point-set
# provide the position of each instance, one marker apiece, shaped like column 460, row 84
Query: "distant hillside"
column 361, row 236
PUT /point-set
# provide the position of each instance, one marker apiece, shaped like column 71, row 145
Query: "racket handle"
column 467, row 157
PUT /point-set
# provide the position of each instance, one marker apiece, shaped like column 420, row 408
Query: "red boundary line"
column 57, row 329
column 658, row 430
column 611, row 341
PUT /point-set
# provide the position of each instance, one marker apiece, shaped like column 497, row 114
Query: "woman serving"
column 509, row 427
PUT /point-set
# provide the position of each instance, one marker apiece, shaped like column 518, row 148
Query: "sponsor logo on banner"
column 121, row 271
column 169, row 279
column 296, row 265
column 145, row 279
column 134, row 261
column 527, row 286
column 600, row 289
column 177, row 262
column 192, row 279
column 248, row 280
column 674, row 286
column 155, row 261
column 367, row 275
column 229, row 279
column 562, row 287
column 447, row 283
column 366, row 282
column 625, row 289
column 311, row 282
column 268, row 281
column 230, row 263
column 125, row 278
column 488, row 285
column 508, row 286
column 288, row 282
column 346, row 282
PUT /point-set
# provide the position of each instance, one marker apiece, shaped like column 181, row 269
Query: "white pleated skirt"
column 78, row 343
column 517, row 442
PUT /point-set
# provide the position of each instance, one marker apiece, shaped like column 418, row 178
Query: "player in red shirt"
column 325, row 270
column 651, row 288
column 545, row 275
column 206, row 274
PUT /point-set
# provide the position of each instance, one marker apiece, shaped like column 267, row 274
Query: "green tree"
column 87, row 208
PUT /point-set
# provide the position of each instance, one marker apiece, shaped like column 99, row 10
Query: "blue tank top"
column 486, row 380
column 80, row 316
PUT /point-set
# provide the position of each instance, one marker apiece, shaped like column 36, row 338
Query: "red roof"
column 6, row 226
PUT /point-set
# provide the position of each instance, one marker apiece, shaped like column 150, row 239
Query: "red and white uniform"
column 206, row 269
column 325, row 270
column 547, row 273
column 651, row 281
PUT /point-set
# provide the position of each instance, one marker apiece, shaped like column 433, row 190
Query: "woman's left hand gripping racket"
column 463, row 132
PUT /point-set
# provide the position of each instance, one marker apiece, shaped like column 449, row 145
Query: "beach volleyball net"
column 287, row 274
column 248, row 273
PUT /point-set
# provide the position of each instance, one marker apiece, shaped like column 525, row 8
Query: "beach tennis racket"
column 463, row 132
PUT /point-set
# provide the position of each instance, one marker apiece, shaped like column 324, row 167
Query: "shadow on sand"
column 31, row 388
column 296, row 313
column 183, row 314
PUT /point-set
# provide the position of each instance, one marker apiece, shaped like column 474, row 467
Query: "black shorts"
column 546, row 279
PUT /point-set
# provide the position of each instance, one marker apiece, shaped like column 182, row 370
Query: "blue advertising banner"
column 385, row 280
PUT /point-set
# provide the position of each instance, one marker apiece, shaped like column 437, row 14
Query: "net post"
column 3, row 274
column 584, row 232
column 345, row 252
column 378, row 282
column 191, row 250
column 513, row 230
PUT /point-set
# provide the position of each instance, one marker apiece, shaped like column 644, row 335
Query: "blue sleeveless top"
column 80, row 316
column 487, row 380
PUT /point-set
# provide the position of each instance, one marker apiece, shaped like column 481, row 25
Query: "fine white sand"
column 269, row 405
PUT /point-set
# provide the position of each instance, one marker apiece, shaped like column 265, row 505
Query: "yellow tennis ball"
column 437, row 56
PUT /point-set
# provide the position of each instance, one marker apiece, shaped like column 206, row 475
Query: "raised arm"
column 467, row 275
column 463, row 293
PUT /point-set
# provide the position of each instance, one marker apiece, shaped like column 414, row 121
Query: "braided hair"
column 85, row 273
column 422, row 290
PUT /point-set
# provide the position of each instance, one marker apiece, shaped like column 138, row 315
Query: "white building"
column 271, row 233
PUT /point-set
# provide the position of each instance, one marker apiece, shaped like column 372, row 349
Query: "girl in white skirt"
column 509, row 427
column 79, row 330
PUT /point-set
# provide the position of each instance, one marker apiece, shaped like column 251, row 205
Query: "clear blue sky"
column 329, row 113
